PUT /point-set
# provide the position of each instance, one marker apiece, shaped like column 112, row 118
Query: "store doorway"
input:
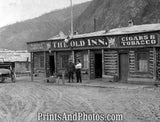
column 123, row 67
column 52, row 65
column 98, row 65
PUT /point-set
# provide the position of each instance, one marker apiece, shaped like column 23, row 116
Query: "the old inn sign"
column 101, row 41
column 81, row 42
column 138, row 40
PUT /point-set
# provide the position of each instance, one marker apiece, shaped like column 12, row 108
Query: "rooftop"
column 14, row 56
column 116, row 31
column 134, row 29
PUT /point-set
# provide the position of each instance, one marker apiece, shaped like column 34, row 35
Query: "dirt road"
column 21, row 101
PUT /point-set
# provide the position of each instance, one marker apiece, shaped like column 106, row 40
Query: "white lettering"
column 101, row 41
column 153, row 41
column 54, row 44
column 142, row 42
column 94, row 42
column 89, row 42
column 130, row 38
column 39, row 116
column 123, row 43
column 137, row 43
column 152, row 37
column 123, row 39
column 140, row 37
column 77, row 44
column 145, row 37
column 82, row 43
column 72, row 44
column 135, row 38
column 148, row 42
column 133, row 43
column 128, row 43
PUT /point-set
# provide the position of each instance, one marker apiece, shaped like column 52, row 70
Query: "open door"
column 98, row 65
column 52, row 65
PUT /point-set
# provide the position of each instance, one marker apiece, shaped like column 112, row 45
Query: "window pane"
column 143, row 65
column 41, row 61
column 64, row 61
column 85, row 64
column 142, row 62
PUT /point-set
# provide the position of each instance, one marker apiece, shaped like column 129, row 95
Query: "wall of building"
column 38, row 62
column 110, row 62
column 139, row 47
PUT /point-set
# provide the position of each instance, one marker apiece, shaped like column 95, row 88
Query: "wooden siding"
column 132, row 61
column 110, row 63
column 39, row 62
column 92, row 65
column 151, row 61
column 158, row 63
column 47, row 65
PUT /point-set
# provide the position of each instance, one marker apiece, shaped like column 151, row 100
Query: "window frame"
column 87, row 59
column 41, row 61
column 61, row 60
column 137, row 62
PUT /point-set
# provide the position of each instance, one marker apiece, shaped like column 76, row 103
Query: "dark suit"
column 71, row 69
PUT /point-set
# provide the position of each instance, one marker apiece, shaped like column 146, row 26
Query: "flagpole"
column 71, row 34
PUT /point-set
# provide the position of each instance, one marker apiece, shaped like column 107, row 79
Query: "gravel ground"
column 23, row 101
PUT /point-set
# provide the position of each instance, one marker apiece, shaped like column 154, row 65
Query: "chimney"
column 130, row 23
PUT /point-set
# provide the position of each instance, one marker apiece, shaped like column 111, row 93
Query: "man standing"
column 78, row 71
column 71, row 69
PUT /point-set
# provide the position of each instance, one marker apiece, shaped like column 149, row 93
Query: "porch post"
column 55, row 61
column 73, row 54
column 89, row 72
column 45, row 72
column 102, row 63
column 32, row 65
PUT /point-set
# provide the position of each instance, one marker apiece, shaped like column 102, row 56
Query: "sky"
column 12, row 11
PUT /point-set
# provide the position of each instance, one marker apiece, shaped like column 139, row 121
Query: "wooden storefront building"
column 132, row 54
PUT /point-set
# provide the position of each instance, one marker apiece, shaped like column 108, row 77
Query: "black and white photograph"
column 79, row 60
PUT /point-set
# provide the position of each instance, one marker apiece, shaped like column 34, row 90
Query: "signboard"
column 96, row 42
column 138, row 40
column 83, row 42
column 39, row 46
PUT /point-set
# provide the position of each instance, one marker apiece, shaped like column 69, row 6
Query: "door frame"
column 123, row 52
column 49, row 56
column 98, row 52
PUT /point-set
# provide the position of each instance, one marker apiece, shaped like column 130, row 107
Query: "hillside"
column 106, row 14
column 116, row 13
column 16, row 35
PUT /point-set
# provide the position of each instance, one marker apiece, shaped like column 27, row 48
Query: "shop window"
column 64, row 61
column 85, row 61
column 41, row 61
column 142, row 61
